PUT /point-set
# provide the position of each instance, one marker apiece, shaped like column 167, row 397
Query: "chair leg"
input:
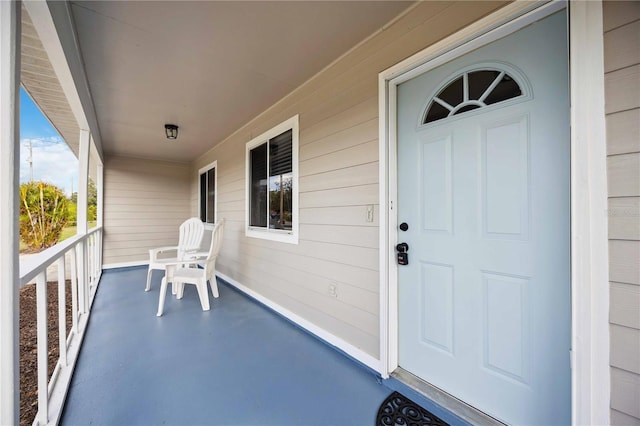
column 163, row 293
column 213, row 283
column 203, row 295
column 179, row 289
column 168, row 273
column 148, row 287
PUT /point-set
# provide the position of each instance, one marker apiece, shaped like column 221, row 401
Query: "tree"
column 43, row 214
column 92, row 204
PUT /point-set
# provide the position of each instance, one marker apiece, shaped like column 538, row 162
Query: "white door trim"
column 589, row 245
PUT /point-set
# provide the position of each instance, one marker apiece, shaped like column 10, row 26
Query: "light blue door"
column 483, row 185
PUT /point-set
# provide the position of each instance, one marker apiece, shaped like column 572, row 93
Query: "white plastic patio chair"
column 183, row 274
column 191, row 232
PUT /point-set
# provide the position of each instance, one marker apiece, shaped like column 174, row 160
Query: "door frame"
column 589, row 357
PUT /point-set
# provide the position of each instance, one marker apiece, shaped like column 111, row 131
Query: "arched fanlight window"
column 472, row 90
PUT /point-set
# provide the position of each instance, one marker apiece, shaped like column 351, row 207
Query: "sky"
column 53, row 161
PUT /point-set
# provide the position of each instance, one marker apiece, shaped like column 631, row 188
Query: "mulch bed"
column 28, row 344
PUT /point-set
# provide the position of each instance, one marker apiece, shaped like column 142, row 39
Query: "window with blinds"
column 208, row 193
column 272, row 181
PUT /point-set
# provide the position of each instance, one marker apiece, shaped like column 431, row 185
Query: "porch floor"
column 237, row 364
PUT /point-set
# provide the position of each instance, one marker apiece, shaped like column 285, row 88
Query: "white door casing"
column 484, row 309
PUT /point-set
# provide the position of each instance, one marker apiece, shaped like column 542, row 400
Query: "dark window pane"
column 211, row 196
column 452, row 94
column 467, row 108
column 258, row 179
column 280, row 154
column 203, row 197
column 479, row 82
column 436, row 112
column 506, row 89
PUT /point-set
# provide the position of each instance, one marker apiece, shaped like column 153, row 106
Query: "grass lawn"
column 67, row 232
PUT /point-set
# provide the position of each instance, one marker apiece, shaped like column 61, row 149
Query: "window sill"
column 273, row 235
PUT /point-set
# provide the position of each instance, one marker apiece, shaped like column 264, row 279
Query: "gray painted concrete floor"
column 237, row 364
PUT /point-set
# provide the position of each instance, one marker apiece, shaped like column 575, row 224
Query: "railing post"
column 62, row 312
column 9, row 166
column 43, row 350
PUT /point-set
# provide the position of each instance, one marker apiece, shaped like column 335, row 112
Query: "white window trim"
column 213, row 165
column 279, row 235
column 591, row 389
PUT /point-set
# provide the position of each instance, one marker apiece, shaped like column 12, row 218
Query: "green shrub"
column 72, row 213
column 43, row 214
column 92, row 212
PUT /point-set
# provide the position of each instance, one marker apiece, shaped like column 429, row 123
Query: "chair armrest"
column 153, row 253
column 196, row 255
column 186, row 262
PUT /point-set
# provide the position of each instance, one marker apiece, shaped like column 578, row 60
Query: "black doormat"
column 398, row 410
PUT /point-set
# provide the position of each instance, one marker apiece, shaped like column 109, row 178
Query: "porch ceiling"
column 208, row 67
column 40, row 81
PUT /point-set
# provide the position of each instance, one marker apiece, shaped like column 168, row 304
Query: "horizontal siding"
column 621, row 22
column 623, row 172
column 347, row 196
column 623, row 261
column 621, row 47
column 619, row 13
column 625, row 344
column 338, row 183
column 363, row 174
column 621, row 419
column 145, row 203
column 346, row 158
column 625, row 299
column 622, row 89
column 625, row 392
column 343, row 215
column 623, row 132
column 624, row 218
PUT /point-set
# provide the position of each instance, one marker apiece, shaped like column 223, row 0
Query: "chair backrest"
column 214, row 249
column 191, row 232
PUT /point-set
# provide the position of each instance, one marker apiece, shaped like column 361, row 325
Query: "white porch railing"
column 85, row 259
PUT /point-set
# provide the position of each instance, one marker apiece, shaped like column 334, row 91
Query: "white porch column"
column 82, row 225
column 100, row 212
column 589, row 269
column 9, row 169
column 83, row 180
column 100, row 190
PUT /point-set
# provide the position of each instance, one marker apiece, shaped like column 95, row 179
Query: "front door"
column 483, row 188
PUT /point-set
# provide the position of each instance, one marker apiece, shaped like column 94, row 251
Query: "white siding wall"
column 145, row 203
column 338, row 111
column 622, row 85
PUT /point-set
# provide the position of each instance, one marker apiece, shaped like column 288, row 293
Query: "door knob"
column 402, row 255
column 402, row 247
column 404, row 226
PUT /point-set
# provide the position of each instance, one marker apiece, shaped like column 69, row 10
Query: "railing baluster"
column 82, row 277
column 62, row 312
column 74, row 290
column 92, row 259
column 87, row 283
column 43, row 350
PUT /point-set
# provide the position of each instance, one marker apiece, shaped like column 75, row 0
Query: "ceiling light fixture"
column 171, row 130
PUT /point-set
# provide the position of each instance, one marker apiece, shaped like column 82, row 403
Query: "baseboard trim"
column 125, row 264
column 321, row 333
